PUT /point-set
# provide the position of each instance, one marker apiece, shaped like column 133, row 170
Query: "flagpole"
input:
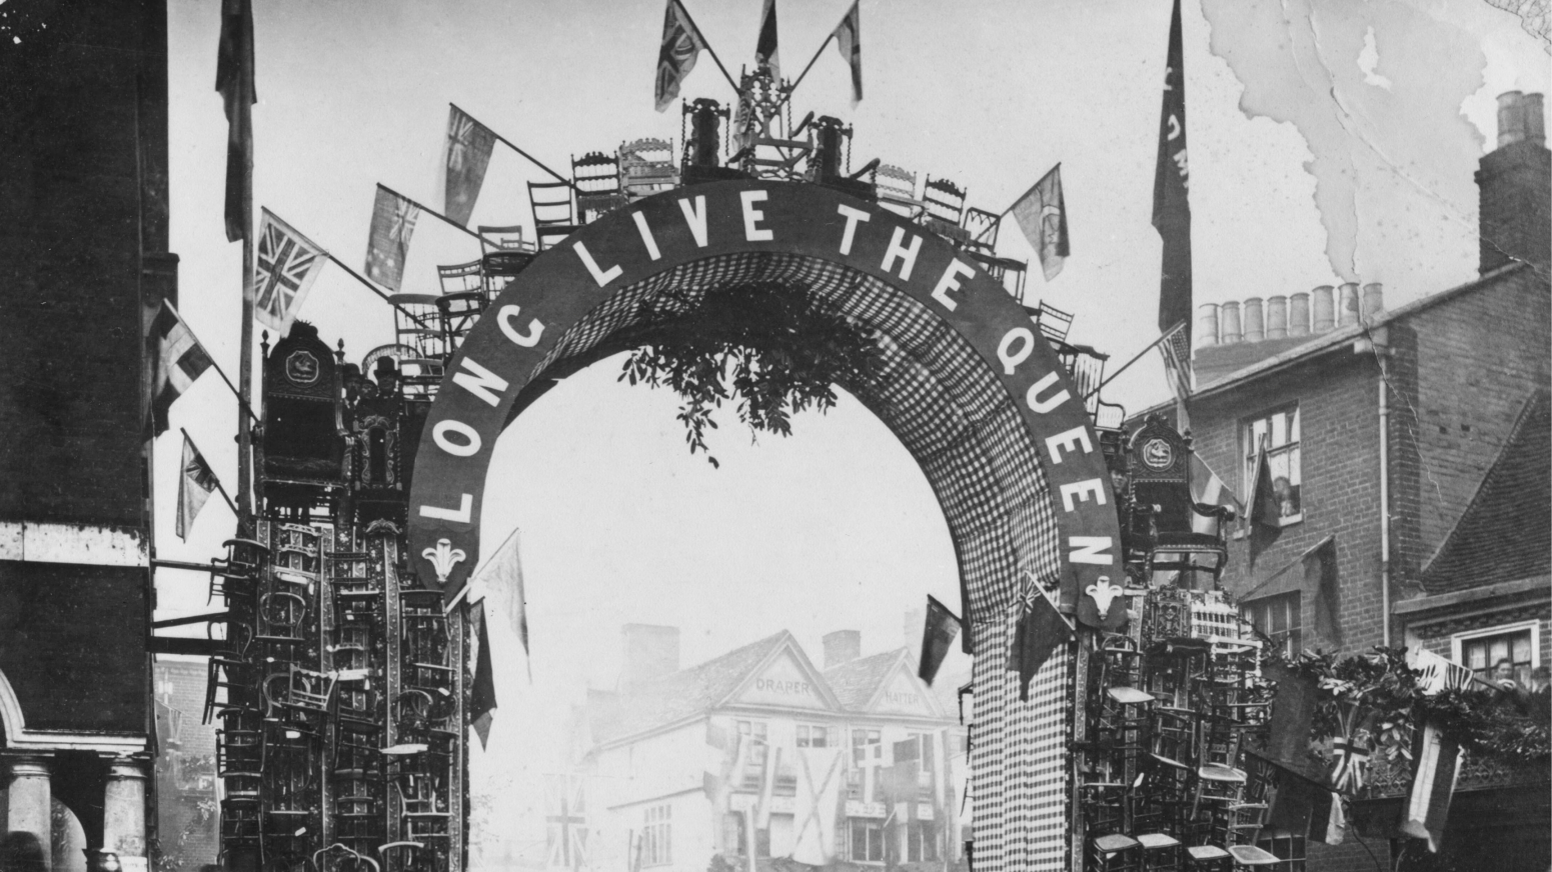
column 704, row 41
column 509, row 144
column 245, row 343
column 213, row 477
column 375, row 289
column 241, row 401
column 422, row 207
column 1138, row 356
column 811, row 61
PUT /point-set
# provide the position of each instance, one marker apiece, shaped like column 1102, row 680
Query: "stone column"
column 123, row 812
column 28, row 798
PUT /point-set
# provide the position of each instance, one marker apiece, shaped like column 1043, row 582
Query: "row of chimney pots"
column 1280, row 317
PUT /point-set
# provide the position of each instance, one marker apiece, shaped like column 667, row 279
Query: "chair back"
column 647, row 167
column 597, row 177
column 552, row 215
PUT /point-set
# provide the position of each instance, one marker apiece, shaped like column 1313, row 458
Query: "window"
column 757, row 734
column 657, row 836
column 1280, row 429
column 866, row 746
column 818, row 737
column 1278, row 618
column 921, row 841
column 867, row 841
column 1482, row 651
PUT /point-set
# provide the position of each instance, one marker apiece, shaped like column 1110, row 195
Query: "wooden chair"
column 944, row 208
column 597, row 177
column 896, row 188
column 552, row 215
column 647, row 167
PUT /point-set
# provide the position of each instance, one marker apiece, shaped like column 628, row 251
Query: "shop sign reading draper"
column 500, row 355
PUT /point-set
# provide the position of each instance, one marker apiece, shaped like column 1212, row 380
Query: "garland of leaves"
column 1385, row 689
column 776, row 348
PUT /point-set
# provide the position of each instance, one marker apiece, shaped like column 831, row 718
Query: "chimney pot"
column 1228, row 321
column 1511, row 118
column 1277, row 317
column 1322, row 309
column 1206, row 334
column 1299, row 314
column 1373, row 300
column 1255, row 323
column 841, row 646
column 1535, row 122
column 1347, row 305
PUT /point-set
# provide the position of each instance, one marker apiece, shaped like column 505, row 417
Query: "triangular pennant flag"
column 388, row 241
column 938, row 635
column 682, row 45
column 180, row 359
column 469, row 146
column 1042, row 215
column 195, row 485
column 848, row 40
column 1265, row 523
column 283, row 272
column 765, row 50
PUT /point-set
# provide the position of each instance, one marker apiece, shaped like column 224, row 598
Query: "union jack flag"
column 469, row 145
column 388, row 242
column 287, row 264
column 682, row 44
column 567, row 819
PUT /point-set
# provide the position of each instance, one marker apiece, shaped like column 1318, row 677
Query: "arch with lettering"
column 970, row 387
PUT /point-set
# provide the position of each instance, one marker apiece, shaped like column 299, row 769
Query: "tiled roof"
column 1505, row 534
column 685, row 693
column 855, row 682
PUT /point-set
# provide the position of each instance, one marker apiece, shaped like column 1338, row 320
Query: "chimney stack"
column 651, row 651
column 1347, row 305
column 1514, row 187
column 1373, row 300
column 1277, row 317
column 1322, row 310
column 1255, row 324
column 1228, row 323
column 842, row 646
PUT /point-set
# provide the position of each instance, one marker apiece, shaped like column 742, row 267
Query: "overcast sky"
column 1328, row 141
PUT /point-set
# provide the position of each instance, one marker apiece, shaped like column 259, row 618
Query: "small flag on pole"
column 1208, row 488
column 180, row 359
column 482, row 692
column 941, row 627
column 234, row 80
column 1433, row 785
column 1265, row 516
column 1171, row 179
column 1042, row 215
column 765, row 50
column 1320, row 576
column 1040, row 629
column 496, row 591
column 195, row 485
column 388, row 242
column 469, row 146
column 682, row 45
column 283, row 272
column 1176, row 351
column 848, row 39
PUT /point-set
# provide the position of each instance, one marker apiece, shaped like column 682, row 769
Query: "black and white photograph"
column 775, row 436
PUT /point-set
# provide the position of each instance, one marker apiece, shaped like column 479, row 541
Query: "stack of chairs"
column 355, row 768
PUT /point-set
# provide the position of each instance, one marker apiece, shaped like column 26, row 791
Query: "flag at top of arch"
column 682, row 45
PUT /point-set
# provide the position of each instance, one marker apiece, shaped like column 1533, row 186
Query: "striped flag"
column 938, row 634
column 682, row 45
column 388, row 242
column 1433, row 785
column 1208, row 488
column 469, row 146
column 848, row 39
column 180, row 359
column 195, row 485
column 283, row 272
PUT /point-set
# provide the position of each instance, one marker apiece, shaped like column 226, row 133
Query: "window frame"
column 1249, row 451
column 657, row 835
column 1293, row 639
column 869, row 828
column 1457, row 640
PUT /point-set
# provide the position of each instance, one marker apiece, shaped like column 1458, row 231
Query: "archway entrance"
column 971, row 390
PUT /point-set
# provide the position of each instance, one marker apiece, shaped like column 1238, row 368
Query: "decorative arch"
column 970, row 387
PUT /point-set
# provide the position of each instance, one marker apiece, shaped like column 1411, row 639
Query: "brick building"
column 83, row 253
column 1381, row 427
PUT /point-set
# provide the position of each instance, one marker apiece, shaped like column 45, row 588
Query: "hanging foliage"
column 774, row 348
column 1377, row 697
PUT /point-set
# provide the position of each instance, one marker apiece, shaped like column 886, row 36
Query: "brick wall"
column 84, row 162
